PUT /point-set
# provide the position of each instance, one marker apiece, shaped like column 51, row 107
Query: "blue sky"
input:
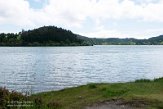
column 91, row 18
column 37, row 4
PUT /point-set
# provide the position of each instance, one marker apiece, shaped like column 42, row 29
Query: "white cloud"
column 104, row 33
column 15, row 12
column 72, row 13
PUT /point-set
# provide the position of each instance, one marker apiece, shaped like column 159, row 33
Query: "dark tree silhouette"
column 43, row 36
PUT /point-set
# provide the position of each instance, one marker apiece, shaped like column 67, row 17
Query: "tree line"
column 54, row 36
column 128, row 41
column 43, row 36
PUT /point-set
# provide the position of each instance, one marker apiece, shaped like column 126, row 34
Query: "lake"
column 38, row 69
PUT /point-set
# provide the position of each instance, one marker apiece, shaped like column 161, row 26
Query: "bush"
column 142, row 80
column 4, row 97
column 92, row 86
column 158, row 80
column 15, row 96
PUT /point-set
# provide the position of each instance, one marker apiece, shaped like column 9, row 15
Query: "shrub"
column 92, row 86
column 142, row 80
column 4, row 97
column 158, row 80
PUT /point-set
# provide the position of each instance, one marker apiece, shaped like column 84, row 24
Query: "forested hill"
column 54, row 36
column 43, row 36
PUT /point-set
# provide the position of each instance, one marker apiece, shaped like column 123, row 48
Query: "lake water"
column 38, row 69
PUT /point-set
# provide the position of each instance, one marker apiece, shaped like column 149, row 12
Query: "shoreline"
column 139, row 94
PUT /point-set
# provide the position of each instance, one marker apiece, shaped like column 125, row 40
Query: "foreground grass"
column 147, row 92
column 139, row 93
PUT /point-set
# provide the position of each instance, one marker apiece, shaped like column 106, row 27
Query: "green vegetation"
column 43, row 36
column 129, row 41
column 141, row 93
column 6, row 97
column 54, row 36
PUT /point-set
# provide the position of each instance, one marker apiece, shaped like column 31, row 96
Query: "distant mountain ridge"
column 125, row 41
column 54, row 36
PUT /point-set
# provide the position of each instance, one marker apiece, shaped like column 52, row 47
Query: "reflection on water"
column 40, row 69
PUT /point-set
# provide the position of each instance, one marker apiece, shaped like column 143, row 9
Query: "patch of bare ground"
column 119, row 104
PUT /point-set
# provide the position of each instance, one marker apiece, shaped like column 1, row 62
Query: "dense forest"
column 54, row 36
column 43, row 36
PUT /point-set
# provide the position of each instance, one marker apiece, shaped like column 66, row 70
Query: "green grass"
column 148, row 92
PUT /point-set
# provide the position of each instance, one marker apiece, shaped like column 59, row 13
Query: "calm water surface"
column 38, row 69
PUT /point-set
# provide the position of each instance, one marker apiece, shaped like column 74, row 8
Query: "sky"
column 92, row 18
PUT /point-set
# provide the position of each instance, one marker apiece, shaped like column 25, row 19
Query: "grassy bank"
column 141, row 93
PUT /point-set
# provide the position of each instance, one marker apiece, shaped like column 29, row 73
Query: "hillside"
column 54, row 36
column 43, row 36
column 126, row 41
